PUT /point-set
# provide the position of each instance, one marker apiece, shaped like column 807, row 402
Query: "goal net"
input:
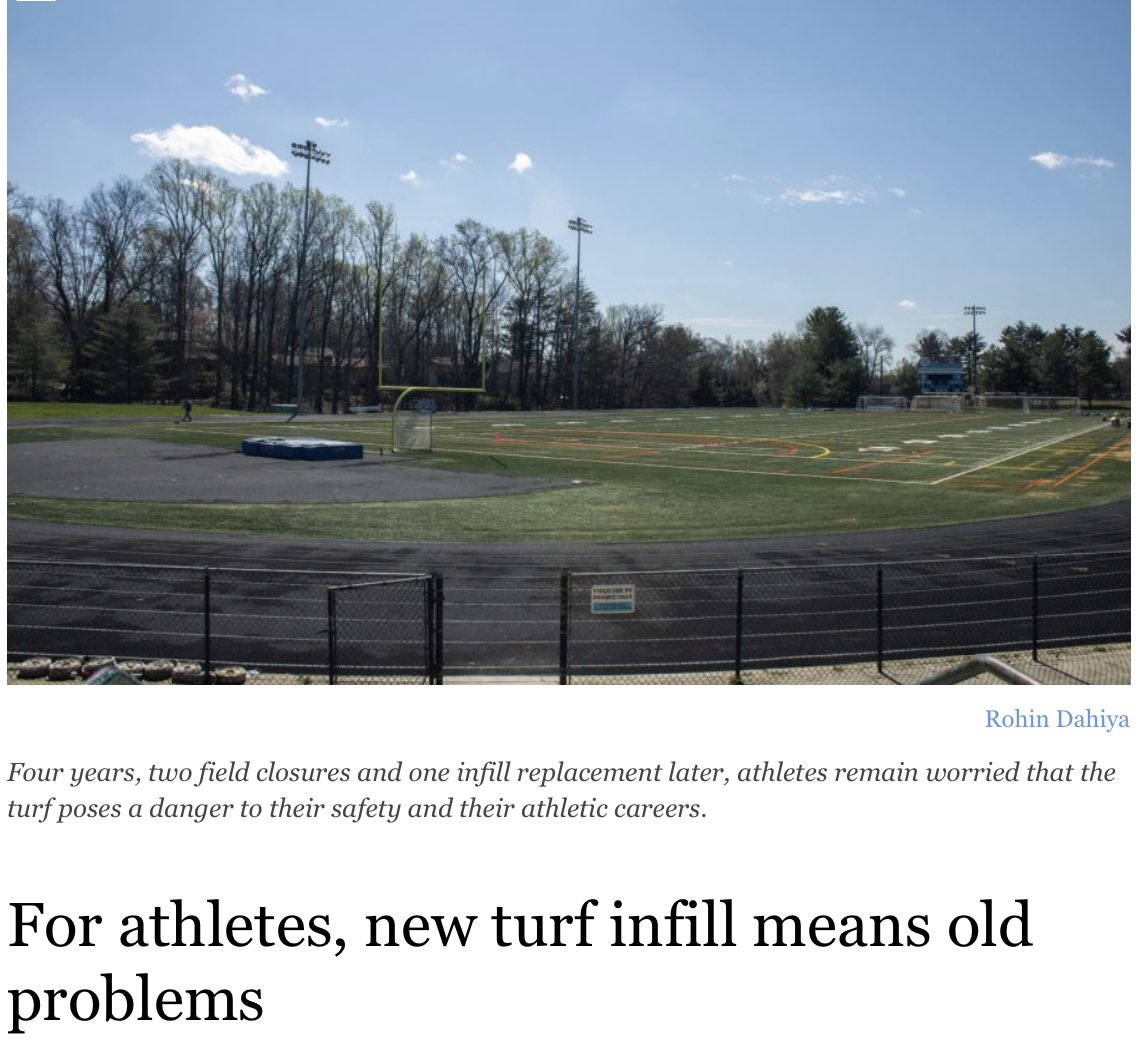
column 1031, row 404
column 882, row 403
column 1060, row 404
column 947, row 404
column 412, row 430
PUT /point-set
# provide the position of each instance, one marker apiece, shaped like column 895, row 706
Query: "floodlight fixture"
column 310, row 153
column 973, row 311
column 577, row 226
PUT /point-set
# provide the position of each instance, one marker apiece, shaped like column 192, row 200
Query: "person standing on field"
column 186, row 405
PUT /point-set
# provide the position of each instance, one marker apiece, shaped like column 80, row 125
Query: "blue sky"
column 740, row 162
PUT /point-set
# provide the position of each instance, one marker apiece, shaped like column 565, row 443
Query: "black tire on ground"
column 157, row 671
column 64, row 668
column 187, row 672
column 91, row 665
column 33, row 668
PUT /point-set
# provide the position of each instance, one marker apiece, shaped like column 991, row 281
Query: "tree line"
column 180, row 284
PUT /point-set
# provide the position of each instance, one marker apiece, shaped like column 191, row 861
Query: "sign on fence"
column 612, row 599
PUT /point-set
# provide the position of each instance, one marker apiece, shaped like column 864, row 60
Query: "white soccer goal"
column 1031, row 404
column 947, row 404
column 1058, row 404
column 882, row 403
column 412, row 430
column 994, row 401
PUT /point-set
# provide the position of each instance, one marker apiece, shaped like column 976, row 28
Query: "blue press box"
column 295, row 448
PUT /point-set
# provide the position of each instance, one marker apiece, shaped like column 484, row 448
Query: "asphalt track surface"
column 502, row 603
column 152, row 470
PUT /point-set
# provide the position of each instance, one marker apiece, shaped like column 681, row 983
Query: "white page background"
column 786, row 848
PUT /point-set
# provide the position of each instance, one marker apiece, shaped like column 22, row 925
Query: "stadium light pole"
column 308, row 152
column 973, row 311
column 577, row 226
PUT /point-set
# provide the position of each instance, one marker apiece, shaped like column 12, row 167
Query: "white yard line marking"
column 1016, row 454
column 698, row 468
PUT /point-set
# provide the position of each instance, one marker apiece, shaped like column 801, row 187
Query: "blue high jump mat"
column 297, row 448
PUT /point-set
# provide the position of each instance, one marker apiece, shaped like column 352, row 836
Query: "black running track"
column 502, row 603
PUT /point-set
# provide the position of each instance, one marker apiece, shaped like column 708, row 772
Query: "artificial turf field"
column 660, row 475
column 1001, row 450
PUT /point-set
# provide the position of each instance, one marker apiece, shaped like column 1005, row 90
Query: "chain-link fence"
column 390, row 628
column 204, row 624
column 1060, row 618
column 796, row 618
column 941, row 609
column 648, row 627
column 69, row 610
column 1064, row 618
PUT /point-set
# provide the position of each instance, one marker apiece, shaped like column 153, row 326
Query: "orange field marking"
column 1093, row 461
column 883, row 461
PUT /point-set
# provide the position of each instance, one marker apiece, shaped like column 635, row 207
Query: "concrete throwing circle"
column 151, row 470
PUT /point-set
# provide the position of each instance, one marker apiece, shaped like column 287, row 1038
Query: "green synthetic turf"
column 666, row 475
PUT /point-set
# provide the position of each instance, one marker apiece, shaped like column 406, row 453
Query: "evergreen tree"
column 804, row 386
column 833, row 351
column 124, row 353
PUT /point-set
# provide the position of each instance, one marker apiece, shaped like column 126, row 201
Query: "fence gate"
column 281, row 626
column 387, row 631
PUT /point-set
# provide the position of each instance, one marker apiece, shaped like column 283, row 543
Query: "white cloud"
column 211, row 147
column 330, row 121
column 456, row 161
column 410, row 178
column 841, row 196
column 521, row 163
column 243, row 88
column 906, row 303
column 839, row 189
column 1053, row 161
column 736, row 178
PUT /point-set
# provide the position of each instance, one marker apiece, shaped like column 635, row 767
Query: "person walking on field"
column 186, row 405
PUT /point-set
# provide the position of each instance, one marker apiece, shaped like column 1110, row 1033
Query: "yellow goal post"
column 404, row 392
